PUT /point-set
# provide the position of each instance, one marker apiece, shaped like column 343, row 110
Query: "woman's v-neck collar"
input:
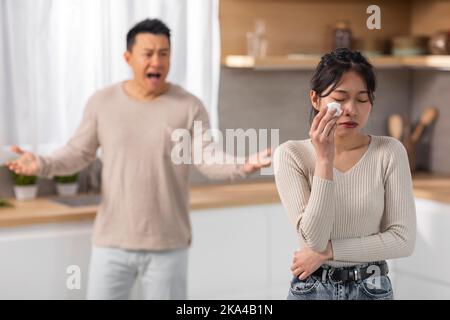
column 358, row 163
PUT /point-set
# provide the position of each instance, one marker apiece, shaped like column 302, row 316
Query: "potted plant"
column 25, row 187
column 67, row 185
column 4, row 203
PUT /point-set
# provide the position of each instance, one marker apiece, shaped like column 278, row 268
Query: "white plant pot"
column 67, row 189
column 25, row 192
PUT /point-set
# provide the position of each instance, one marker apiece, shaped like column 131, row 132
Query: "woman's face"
column 351, row 93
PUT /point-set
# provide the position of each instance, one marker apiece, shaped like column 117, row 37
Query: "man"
column 142, row 226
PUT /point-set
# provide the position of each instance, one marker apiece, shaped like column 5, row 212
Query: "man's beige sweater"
column 145, row 196
column 368, row 212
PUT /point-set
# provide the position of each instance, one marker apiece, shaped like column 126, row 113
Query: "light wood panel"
column 305, row 26
column 308, row 62
column 42, row 210
column 430, row 16
column 435, row 188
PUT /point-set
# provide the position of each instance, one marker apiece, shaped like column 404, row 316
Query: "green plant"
column 22, row 180
column 4, row 203
column 67, row 179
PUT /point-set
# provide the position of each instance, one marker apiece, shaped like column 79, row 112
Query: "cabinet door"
column 283, row 243
column 34, row 260
column 430, row 255
column 413, row 287
column 429, row 263
column 229, row 255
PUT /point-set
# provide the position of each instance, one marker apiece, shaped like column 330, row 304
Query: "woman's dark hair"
column 331, row 68
column 154, row 26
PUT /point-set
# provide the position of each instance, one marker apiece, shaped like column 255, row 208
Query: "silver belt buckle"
column 324, row 275
column 356, row 274
column 331, row 273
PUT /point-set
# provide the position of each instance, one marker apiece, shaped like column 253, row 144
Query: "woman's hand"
column 322, row 135
column 306, row 261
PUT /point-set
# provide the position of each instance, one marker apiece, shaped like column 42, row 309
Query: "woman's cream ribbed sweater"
column 368, row 212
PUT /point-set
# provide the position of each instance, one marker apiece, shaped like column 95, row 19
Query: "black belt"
column 353, row 273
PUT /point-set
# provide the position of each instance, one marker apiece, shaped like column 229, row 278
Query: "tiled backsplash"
column 280, row 100
column 432, row 88
column 88, row 181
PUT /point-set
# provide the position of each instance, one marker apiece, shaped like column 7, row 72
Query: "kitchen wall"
column 429, row 16
column 305, row 26
column 279, row 100
column 416, row 90
column 432, row 88
column 89, row 180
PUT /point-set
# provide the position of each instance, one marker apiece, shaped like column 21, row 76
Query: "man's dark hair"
column 154, row 26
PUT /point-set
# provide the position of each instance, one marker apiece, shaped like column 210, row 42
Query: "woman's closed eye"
column 362, row 98
column 358, row 100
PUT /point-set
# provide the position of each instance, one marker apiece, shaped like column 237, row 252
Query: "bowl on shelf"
column 439, row 43
column 409, row 45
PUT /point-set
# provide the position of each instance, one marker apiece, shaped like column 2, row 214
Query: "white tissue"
column 335, row 105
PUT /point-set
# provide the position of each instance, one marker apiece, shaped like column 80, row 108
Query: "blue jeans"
column 325, row 288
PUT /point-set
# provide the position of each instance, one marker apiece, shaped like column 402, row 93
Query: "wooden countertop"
column 435, row 188
column 43, row 210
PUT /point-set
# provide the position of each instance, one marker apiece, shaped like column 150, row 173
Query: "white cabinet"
column 237, row 253
column 424, row 275
column 412, row 287
column 34, row 260
column 241, row 253
column 229, row 255
column 283, row 243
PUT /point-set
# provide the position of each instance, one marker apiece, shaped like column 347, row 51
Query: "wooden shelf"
column 309, row 62
column 435, row 62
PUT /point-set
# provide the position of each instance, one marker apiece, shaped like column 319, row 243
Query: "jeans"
column 113, row 271
column 377, row 287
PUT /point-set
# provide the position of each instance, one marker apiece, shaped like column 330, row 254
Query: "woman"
column 348, row 194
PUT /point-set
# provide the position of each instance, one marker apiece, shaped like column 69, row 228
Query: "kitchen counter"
column 43, row 210
column 432, row 187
